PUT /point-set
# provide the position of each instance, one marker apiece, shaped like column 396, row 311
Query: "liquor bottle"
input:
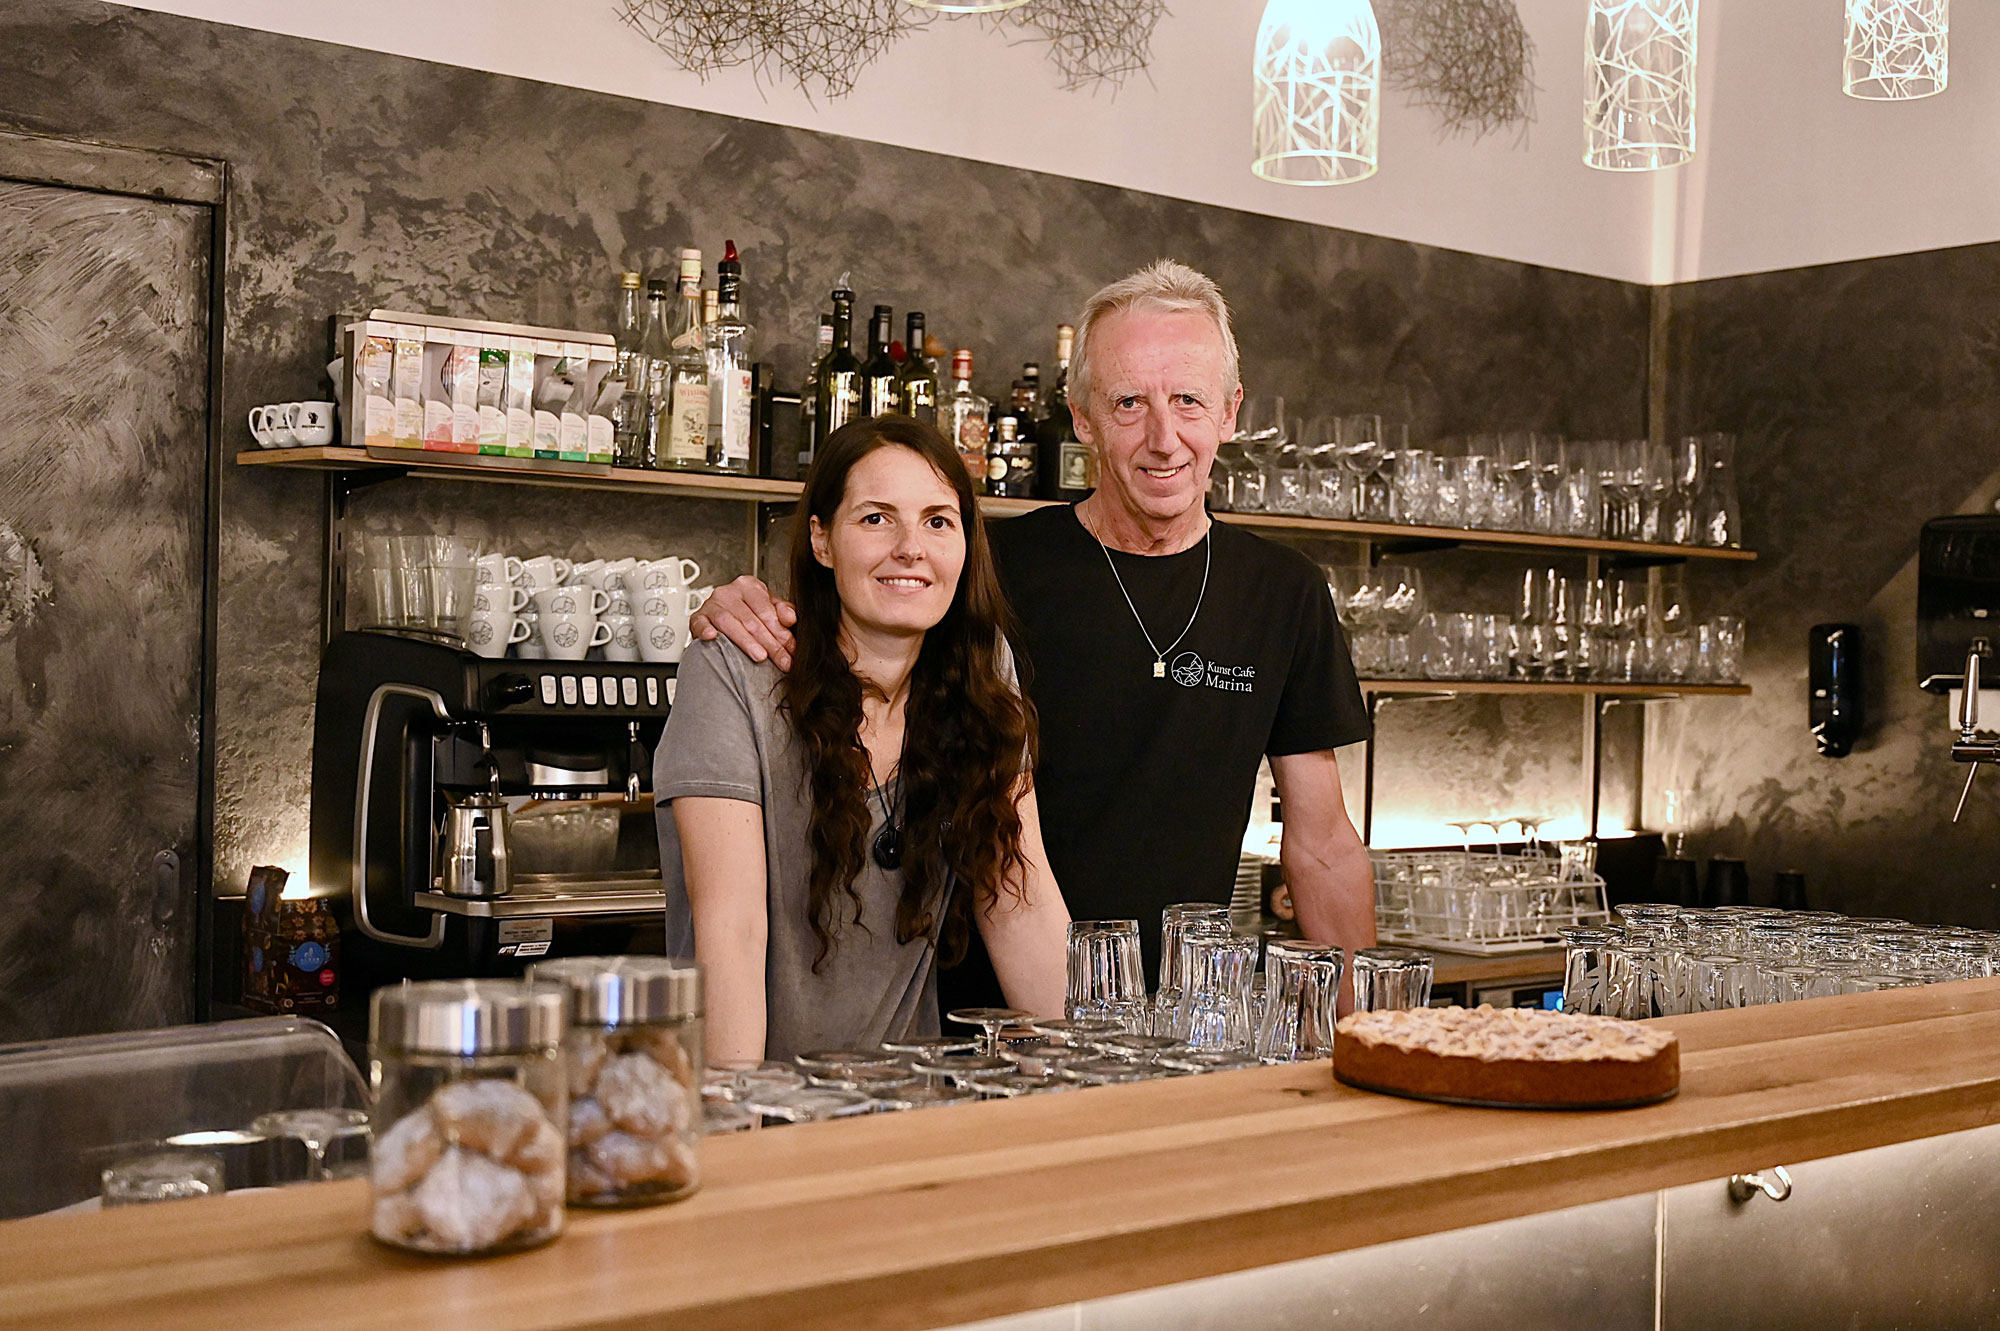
column 837, row 386
column 1010, row 468
column 916, row 384
column 1031, row 380
column 808, row 396
column 628, row 417
column 656, row 374
column 878, row 375
column 711, row 301
column 728, row 348
column 685, row 428
column 1020, row 407
column 962, row 419
column 1063, row 470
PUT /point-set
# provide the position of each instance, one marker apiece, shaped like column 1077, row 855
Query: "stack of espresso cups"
column 614, row 610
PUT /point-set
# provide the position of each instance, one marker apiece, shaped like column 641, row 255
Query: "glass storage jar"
column 633, row 1055
column 469, row 1097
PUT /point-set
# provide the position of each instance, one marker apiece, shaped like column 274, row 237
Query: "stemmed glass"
column 1475, row 479
column 1656, row 513
column 1677, row 525
column 314, row 1129
column 1578, row 512
column 1401, row 609
column 1358, row 598
column 1545, row 478
column 1717, row 519
column 1513, row 464
column 1358, row 445
column 990, row 1020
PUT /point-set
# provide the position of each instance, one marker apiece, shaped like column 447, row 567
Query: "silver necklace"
column 1159, row 655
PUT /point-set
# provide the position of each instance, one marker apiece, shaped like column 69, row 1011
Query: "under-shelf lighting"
column 1896, row 49
column 968, row 6
column 1639, row 63
column 1318, row 113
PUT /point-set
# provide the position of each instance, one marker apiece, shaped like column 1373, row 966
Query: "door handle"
column 166, row 888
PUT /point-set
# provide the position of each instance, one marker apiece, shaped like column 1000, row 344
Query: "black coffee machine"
column 402, row 729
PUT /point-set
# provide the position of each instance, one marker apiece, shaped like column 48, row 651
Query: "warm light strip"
column 1639, row 67
column 1318, row 84
column 1897, row 50
column 968, row 6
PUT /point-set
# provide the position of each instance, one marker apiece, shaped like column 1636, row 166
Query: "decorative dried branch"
column 1091, row 41
column 821, row 45
column 1470, row 61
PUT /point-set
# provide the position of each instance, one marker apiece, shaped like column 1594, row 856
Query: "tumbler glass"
column 1302, row 988
column 1391, row 979
column 1177, row 922
column 1105, row 977
column 1584, row 968
column 1215, row 1004
column 163, row 1176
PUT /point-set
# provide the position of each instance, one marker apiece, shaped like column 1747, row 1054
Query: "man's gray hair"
column 1164, row 286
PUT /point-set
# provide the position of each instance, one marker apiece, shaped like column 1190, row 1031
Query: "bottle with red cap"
column 730, row 400
column 962, row 417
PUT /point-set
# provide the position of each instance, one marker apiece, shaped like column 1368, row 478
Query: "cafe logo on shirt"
column 1190, row 671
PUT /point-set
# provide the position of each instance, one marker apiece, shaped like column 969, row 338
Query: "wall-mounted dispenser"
column 1834, row 680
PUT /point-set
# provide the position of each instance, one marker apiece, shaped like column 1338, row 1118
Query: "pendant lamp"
column 968, row 6
column 1318, row 92
column 1639, row 63
column 1896, row 49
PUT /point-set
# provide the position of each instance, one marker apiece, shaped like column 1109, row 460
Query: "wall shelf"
column 1550, row 688
column 700, row 485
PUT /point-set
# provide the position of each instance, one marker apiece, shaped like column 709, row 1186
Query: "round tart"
column 1511, row 1057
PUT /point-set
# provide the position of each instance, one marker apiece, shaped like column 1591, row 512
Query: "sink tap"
column 1969, row 747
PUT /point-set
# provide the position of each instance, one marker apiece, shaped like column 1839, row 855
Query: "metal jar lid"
column 469, row 1017
column 620, row 991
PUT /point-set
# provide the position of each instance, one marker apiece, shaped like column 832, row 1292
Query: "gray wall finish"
column 361, row 179
column 1868, row 399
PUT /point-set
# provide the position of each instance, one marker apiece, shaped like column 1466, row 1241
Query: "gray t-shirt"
column 727, row 739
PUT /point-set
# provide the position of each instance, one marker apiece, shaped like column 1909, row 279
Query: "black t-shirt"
column 1145, row 783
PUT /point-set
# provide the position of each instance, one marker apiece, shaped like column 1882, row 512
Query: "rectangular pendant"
column 1159, row 670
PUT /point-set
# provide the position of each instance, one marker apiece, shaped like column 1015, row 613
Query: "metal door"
column 105, row 474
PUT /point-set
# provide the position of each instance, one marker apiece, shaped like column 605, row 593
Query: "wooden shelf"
column 701, row 485
column 1557, row 688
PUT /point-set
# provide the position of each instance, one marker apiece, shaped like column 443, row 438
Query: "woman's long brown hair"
column 969, row 733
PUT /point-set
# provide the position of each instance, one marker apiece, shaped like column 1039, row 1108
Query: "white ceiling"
column 1789, row 171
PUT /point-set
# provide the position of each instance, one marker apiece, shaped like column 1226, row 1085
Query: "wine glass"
column 314, row 1129
column 1358, row 445
column 1358, row 599
column 1657, row 493
column 1513, row 480
column 989, row 1020
column 1545, row 478
column 1400, row 607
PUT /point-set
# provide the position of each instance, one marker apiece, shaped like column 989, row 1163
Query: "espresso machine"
column 1958, row 631
column 413, row 740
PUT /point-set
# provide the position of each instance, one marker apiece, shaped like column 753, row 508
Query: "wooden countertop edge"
column 883, row 1223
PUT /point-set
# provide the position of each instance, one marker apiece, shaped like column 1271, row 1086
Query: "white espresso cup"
column 589, row 573
column 663, row 637
column 490, row 635
column 544, row 571
column 667, row 571
column 530, row 648
column 615, row 572
column 498, row 568
column 271, row 425
column 570, row 637
column 488, row 598
column 624, row 644
column 572, row 600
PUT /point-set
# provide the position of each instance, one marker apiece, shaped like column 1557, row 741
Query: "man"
column 1166, row 653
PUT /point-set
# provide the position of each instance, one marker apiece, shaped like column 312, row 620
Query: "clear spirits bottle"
column 628, row 417
column 686, row 426
column 962, row 418
column 656, row 375
column 729, row 399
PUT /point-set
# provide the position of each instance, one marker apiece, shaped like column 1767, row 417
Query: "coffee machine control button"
column 548, row 690
column 652, row 691
column 511, row 690
column 569, row 690
column 630, row 688
column 590, row 690
column 610, row 690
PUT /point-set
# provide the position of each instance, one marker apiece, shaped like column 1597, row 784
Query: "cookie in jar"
column 633, row 1059
column 469, row 1153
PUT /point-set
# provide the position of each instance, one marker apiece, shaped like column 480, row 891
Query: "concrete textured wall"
column 362, row 179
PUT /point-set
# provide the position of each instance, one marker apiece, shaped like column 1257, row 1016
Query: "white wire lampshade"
column 1319, row 92
column 968, row 6
column 1896, row 49
column 1639, row 62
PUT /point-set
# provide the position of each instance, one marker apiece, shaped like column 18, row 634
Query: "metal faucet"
column 1969, row 747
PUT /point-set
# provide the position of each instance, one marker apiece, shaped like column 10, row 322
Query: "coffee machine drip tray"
column 560, row 894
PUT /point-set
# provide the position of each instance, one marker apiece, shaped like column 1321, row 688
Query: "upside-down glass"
column 1585, row 967
column 1302, row 989
column 1176, row 922
column 1391, row 979
column 1214, row 1010
column 1105, row 977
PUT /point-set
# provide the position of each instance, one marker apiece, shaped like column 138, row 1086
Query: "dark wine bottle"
column 837, row 387
column 1063, row 461
column 879, row 393
column 917, row 381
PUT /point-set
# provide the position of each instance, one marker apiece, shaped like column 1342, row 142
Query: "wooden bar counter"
column 951, row 1215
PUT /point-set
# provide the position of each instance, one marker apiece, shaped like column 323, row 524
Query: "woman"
column 829, row 832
